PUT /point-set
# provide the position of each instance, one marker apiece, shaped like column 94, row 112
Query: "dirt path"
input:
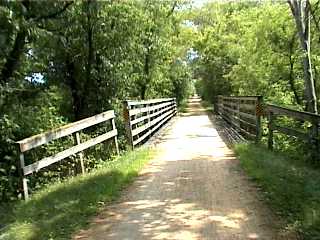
column 193, row 190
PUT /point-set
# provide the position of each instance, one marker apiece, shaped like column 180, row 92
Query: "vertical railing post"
column 126, row 116
column 315, row 142
column 24, row 179
column 217, row 110
column 270, row 130
column 259, row 112
column 116, row 136
column 175, row 106
column 78, row 141
column 149, row 119
column 238, row 101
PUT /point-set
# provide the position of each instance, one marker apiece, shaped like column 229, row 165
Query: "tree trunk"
column 13, row 59
column 146, row 70
column 301, row 13
column 89, row 85
column 291, row 72
column 74, row 87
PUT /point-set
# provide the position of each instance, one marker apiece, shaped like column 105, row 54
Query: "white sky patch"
column 36, row 78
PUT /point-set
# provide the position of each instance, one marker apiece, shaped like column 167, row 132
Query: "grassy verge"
column 63, row 208
column 291, row 188
column 207, row 105
column 183, row 106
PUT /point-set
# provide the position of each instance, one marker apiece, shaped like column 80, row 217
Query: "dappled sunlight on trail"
column 193, row 190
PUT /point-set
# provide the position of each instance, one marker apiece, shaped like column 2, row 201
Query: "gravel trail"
column 194, row 189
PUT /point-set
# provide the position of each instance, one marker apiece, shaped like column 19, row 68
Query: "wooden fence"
column 242, row 113
column 311, row 136
column 143, row 118
column 72, row 128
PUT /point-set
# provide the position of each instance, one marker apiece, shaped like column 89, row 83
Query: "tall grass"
column 290, row 186
column 59, row 210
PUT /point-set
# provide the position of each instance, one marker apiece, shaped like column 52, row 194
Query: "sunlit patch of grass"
column 59, row 210
column 292, row 188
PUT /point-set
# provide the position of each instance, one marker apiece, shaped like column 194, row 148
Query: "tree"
column 28, row 17
column 302, row 15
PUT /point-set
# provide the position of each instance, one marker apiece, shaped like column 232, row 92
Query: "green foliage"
column 60, row 209
column 64, row 61
column 251, row 49
column 290, row 186
column 23, row 119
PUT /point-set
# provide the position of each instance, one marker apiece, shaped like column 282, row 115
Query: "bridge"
column 194, row 188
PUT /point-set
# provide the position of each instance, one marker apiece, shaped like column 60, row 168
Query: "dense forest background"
column 61, row 61
column 254, row 49
column 64, row 61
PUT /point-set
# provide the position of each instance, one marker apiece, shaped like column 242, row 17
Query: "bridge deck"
column 193, row 190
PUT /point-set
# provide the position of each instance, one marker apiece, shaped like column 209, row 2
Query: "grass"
column 291, row 187
column 207, row 105
column 183, row 106
column 63, row 208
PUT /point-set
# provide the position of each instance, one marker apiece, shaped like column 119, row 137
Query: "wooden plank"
column 231, row 104
column 68, row 152
column 248, row 134
column 163, row 121
column 137, row 111
column 248, row 106
column 134, row 102
column 137, row 141
column 230, row 109
column 300, row 115
column 270, row 130
column 149, row 108
column 24, row 179
column 127, row 122
column 247, row 115
column 291, row 132
column 80, row 154
column 247, row 123
column 258, row 112
column 116, row 136
column 149, row 124
column 43, row 138
column 137, row 120
column 238, row 128
column 248, row 98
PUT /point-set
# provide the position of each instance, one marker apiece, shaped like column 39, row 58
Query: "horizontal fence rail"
column 311, row 135
column 72, row 128
column 243, row 113
column 144, row 118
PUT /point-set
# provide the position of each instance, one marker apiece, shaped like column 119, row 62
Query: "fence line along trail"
column 194, row 189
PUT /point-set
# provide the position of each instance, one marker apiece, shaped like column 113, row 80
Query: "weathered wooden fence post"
column 217, row 105
column 71, row 129
column 24, row 179
column 238, row 103
column 270, row 130
column 116, row 136
column 78, row 142
column 126, row 116
column 259, row 113
column 314, row 139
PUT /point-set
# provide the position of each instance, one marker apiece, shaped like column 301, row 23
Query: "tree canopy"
column 62, row 61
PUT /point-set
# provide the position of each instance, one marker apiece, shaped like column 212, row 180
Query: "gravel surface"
column 194, row 189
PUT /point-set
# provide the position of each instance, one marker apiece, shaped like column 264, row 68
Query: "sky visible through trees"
column 61, row 61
